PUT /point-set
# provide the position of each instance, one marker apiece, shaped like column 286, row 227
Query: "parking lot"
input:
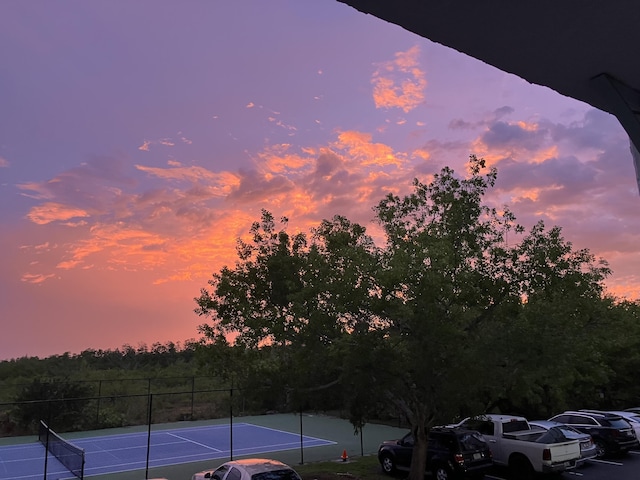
column 623, row 468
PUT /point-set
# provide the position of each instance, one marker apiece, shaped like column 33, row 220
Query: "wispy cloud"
column 55, row 212
column 179, row 221
column 165, row 142
column 187, row 215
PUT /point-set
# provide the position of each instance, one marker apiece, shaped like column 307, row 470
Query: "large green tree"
column 436, row 321
column 446, row 287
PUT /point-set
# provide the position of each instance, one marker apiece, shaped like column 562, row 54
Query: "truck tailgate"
column 561, row 452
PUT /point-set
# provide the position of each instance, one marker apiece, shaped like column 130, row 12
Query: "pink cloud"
column 400, row 83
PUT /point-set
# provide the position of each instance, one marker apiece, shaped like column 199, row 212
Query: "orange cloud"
column 51, row 212
column 360, row 148
column 219, row 183
column 494, row 154
column 36, row 278
column 276, row 159
column 400, row 83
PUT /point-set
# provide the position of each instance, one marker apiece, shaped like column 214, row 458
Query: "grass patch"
column 361, row 468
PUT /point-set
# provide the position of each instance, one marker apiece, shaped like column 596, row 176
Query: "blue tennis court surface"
column 119, row 453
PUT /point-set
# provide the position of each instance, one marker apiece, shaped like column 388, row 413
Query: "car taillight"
column 459, row 458
column 546, row 454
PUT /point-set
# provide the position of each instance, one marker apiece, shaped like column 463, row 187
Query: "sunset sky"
column 139, row 139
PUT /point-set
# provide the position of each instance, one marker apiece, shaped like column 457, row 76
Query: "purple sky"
column 138, row 140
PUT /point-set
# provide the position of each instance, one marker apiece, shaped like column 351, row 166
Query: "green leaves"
column 444, row 318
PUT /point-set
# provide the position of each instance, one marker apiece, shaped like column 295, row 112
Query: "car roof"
column 454, row 430
column 258, row 465
column 599, row 412
column 502, row 418
column 625, row 414
column 546, row 423
column 594, row 413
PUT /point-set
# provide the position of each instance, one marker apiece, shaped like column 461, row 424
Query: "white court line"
column 284, row 431
column 144, row 434
column 195, row 443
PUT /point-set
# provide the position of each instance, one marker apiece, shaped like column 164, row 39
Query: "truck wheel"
column 521, row 468
column 442, row 472
column 388, row 464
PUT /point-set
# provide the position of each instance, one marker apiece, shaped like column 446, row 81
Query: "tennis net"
column 69, row 455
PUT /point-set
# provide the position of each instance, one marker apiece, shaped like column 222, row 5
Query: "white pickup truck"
column 516, row 445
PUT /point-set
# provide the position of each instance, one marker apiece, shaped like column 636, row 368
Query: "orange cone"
column 344, row 456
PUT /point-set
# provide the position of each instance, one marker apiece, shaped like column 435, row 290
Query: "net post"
column 64, row 451
column 46, row 448
column 231, row 421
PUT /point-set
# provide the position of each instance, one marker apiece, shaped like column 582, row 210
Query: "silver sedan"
column 588, row 448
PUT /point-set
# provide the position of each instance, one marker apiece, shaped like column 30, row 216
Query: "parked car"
column 632, row 409
column 633, row 419
column 250, row 469
column 451, row 453
column 611, row 433
column 587, row 446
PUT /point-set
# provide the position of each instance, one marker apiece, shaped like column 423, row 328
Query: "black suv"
column 451, row 453
column 611, row 433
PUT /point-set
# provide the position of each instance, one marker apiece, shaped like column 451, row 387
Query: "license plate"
column 477, row 456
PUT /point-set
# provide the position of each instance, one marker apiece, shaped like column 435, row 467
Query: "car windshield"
column 471, row 441
column 284, row 474
column 615, row 423
column 553, row 435
column 571, row 433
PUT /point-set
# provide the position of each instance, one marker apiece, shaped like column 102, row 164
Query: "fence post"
column 301, row 440
column 98, row 408
column 231, row 422
column 193, row 390
column 149, row 407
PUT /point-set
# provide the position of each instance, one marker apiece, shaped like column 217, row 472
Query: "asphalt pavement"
column 626, row 467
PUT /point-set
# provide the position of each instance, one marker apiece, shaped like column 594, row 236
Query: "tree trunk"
column 419, row 455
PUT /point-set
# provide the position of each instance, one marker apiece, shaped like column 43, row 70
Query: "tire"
column 601, row 450
column 442, row 472
column 520, row 468
column 388, row 464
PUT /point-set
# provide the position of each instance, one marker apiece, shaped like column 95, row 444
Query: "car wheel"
column 442, row 472
column 388, row 464
column 521, row 468
column 601, row 451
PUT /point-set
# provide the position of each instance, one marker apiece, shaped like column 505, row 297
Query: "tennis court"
column 134, row 451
